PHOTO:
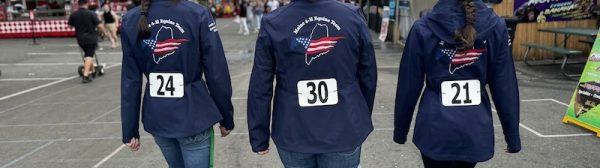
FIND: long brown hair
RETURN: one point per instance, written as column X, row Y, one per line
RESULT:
column 143, row 29
column 466, row 35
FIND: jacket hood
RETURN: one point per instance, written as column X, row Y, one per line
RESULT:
column 448, row 16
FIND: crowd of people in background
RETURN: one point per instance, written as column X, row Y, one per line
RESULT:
column 249, row 13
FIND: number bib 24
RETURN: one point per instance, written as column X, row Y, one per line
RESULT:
column 461, row 93
column 319, row 92
column 166, row 85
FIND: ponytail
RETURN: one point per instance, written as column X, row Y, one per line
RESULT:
column 466, row 35
column 143, row 29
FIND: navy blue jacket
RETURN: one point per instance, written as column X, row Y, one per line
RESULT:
column 306, row 41
column 184, row 40
column 463, row 133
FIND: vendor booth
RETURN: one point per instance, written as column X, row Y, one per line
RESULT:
column 43, row 18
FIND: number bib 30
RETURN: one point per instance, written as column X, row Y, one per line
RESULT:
column 166, row 85
column 461, row 93
column 319, row 92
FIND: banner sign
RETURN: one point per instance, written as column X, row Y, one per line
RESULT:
column 584, row 109
column 553, row 10
column 384, row 24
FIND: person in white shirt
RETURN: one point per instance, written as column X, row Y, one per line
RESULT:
column 273, row 4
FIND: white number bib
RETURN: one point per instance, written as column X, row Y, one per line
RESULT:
column 461, row 93
column 166, row 85
column 319, row 92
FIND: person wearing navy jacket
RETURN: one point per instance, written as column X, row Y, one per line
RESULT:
column 321, row 55
column 174, row 44
column 456, row 50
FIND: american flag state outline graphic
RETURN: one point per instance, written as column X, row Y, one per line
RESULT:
column 461, row 58
column 316, row 48
column 164, row 48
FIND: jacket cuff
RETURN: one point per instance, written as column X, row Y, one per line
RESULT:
column 128, row 139
column 229, row 125
column 400, row 139
column 260, row 148
column 513, row 142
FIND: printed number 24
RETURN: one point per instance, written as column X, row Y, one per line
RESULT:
column 167, row 87
column 458, row 90
column 317, row 92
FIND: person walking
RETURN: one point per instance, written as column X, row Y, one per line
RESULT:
column 456, row 51
column 273, row 4
column 243, row 14
column 110, row 19
column 175, row 45
column 321, row 54
column 259, row 10
column 87, row 27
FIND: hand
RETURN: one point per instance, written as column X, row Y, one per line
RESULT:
column 224, row 131
column 266, row 151
column 134, row 144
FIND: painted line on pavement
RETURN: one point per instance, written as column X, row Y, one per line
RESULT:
column 105, row 114
column 39, row 98
column 387, row 67
column 541, row 100
column 540, row 134
column 240, row 75
column 46, row 85
column 27, row 154
column 58, row 124
column 109, row 156
column 29, row 79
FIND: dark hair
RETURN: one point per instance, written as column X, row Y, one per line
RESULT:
column 93, row 7
column 466, row 35
column 82, row 2
column 143, row 29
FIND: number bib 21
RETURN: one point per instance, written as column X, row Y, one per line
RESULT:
column 461, row 93
column 320, row 92
column 166, row 85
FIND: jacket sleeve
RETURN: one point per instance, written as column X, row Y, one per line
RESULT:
column 367, row 67
column 131, row 91
column 505, row 91
column 410, row 85
column 215, row 68
column 260, row 91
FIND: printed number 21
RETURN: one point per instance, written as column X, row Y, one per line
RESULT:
column 458, row 89
column 317, row 92
column 168, row 87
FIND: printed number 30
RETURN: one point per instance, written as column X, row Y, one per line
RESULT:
column 168, row 87
column 321, row 92
column 458, row 89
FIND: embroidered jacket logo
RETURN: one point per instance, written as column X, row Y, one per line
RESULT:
column 164, row 43
column 319, row 42
column 458, row 59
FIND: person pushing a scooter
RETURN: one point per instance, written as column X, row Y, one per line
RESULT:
column 86, row 25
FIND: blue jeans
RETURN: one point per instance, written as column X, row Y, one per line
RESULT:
column 191, row 151
column 347, row 159
column 258, row 18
